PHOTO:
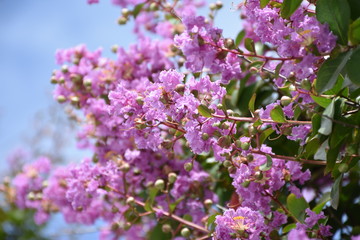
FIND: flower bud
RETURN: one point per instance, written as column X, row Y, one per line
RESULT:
column 343, row 167
column 232, row 170
column 122, row 20
column 172, row 177
column 229, row 43
column 252, row 130
column 74, row 100
column 64, row 69
column 140, row 100
column 180, row 88
column 154, row 6
column 225, row 125
column 61, row 80
column 61, row 99
column 258, row 175
column 188, row 166
column 130, row 201
column 205, row 136
column 250, row 157
column 160, row 184
column 125, row 12
column 246, row 183
column 305, row 84
column 285, row 101
column 253, row 70
column 227, row 163
column 31, row 196
column 125, row 167
column 245, row 145
column 53, row 80
column 229, row 112
column 208, row 203
column 224, row 141
column 219, row 4
column 185, row 232
column 127, row 226
column 87, row 82
column 166, row 228
column 212, row 6
column 115, row 48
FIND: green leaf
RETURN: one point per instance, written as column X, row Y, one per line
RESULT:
column 297, row 206
column 174, row 204
column 263, row 3
column 326, row 119
column 337, row 87
column 331, row 157
column 297, row 111
column 330, row 70
column 335, row 192
column 265, row 134
column 204, row 111
column 150, row 200
column 249, row 44
column 311, row 147
column 137, row 9
column 336, row 13
column 322, row 101
column 277, row 114
column 277, row 69
column 211, row 219
column 289, row 227
column 289, row 7
column 321, row 203
column 252, row 103
column 321, row 151
column 239, row 38
column 354, row 8
column 353, row 67
column 267, row 165
column 354, row 32
column 339, row 133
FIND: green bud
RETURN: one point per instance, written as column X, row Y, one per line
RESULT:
column 87, row 82
column 238, row 143
column 115, row 226
column 127, row 226
column 245, row 145
column 31, row 196
column 114, row 209
column 212, row 6
column 285, row 101
column 252, row 130
column 61, row 99
column 224, row 141
column 219, row 4
column 130, row 201
column 188, row 166
column 208, row 203
column 246, row 183
column 220, row 106
column 250, row 157
column 76, row 78
column 61, row 80
column 125, row 12
column 172, row 177
column 253, row 70
column 305, row 84
column 343, row 167
column 225, row 125
column 160, row 184
column 154, row 6
column 64, row 68
column 166, row 228
column 185, row 232
column 229, row 112
column 140, row 100
column 229, row 43
column 180, row 88
column 258, row 175
column 74, row 100
column 205, row 136
column 53, row 80
column 122, row 20
column 232, row 170
column 136, row 171
column 125, row 167
column 217, row 124
column 167, row 144
column 227, row 163
column 114, row 48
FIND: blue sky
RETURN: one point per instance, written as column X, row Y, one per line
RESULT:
column 30, row 33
